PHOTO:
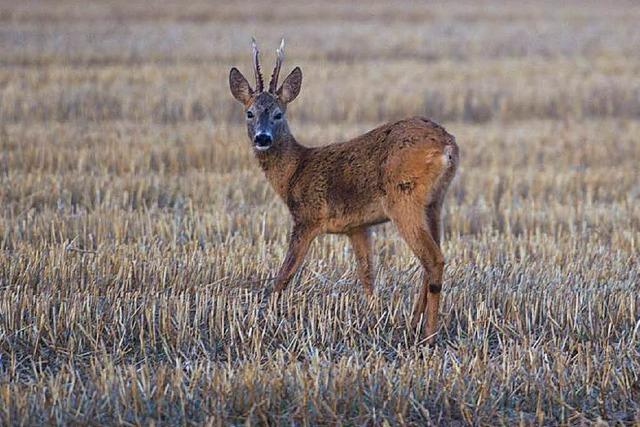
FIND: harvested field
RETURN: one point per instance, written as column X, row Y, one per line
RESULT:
column 137, row 232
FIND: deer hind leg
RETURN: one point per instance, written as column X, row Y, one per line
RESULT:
column 361, row 244
column 434, row 221
column 433, row 295
column 415, row 181
column 426, row 298
column 413, row 226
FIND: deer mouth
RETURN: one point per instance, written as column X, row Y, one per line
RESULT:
column 262, row 141
column 261, row 147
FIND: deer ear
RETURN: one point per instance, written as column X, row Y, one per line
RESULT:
column 240, row 88
column 291, row 86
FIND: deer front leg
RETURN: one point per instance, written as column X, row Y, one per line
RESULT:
column 299, row 241
column 361, row 244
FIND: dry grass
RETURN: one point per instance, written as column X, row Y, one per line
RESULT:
column 137, row 233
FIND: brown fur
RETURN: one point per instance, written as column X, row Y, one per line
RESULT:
column 397, row 172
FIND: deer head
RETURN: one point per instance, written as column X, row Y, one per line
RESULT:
column 265, row 110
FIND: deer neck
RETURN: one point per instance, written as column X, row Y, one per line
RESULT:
column 280, row 163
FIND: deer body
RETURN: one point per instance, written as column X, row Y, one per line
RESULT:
column 343, row 186
column 397, row 172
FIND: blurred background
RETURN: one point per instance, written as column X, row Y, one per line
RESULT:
column 466, row 61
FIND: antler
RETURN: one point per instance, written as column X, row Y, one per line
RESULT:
column 273, row 84
column 256, row 66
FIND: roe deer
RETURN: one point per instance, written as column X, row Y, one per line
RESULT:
column 397, row 172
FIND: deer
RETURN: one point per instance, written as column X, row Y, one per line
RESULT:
column 398, row 172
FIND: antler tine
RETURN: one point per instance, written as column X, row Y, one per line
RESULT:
column 256, row 66
column 273, row 84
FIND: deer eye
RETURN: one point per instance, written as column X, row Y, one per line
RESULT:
column 278, row 116
column 249, row 115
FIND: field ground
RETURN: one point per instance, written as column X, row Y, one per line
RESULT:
column 136, row 231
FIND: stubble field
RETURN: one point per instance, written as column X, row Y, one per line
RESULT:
column 137, row 233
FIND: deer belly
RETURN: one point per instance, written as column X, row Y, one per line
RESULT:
column 344, row 220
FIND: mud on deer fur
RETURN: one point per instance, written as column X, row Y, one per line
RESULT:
column 398, row 172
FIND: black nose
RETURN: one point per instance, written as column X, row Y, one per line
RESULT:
column 262, row 140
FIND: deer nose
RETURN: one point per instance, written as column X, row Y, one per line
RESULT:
column 263, row 140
